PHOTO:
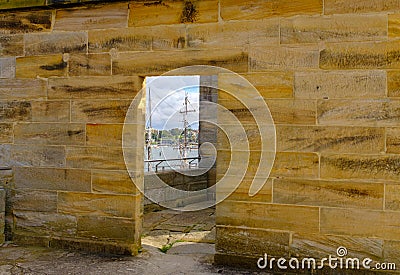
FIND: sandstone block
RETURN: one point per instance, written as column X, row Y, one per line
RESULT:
column 18, row 89
column 302, row 165
column 55, row 42
column 33, row 155
column 340, row 84
column 330, row 139
column 318, row 245
column 394, row 25
column 362, row 6
column 360, row 223
column 32, row 200
column 7, row 67
column 359, row 112
column 99, row 111
column 95, row 158
column 392, row 251
column 11, row 45
column 393, row 83
column 307, row 29
column 393, row 140
column 50, row 111
column 120, row 87
column 6, row 133
column 24, row 22
column 288, row 111
column 113, row 182
column 15, row 111
column 250, row 33
column 283, row 58
column 345, row 194
column 89, row 64
column 52, row 179
column 49, row 133
column 98, row 204
column 107, row 228
column 43, row 66
column 368, row 167
column 163, row 61
column 172, row 12
column 268, row 216
column 250, row 242
column 104, row 134
column 92, row 17
column 250, row 9
column 392, row 197
column 45, row 224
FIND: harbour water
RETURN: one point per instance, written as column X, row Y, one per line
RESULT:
column 165, row 153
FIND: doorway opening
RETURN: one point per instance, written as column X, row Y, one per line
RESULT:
column 176, row 183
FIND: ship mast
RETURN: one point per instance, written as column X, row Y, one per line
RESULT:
column 184, row 147
column 149, row 132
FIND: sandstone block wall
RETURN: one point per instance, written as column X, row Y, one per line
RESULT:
column 329, row 71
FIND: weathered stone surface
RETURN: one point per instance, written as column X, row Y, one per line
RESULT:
column 246, row 241
column 15, row 111
column 138, row 39
column 89, row 64
column 362, row 223
column 330, row 139
column 107, row 228
column 393, row 140
column 104, row 134
column 345, row 194
column 50, row 111
column 361, row 6
column 52, row 179
column 6, row 4
column 393, row 83
column 55, row 42
column 32, row 200
column 95, row 158
column 340, row 84
column 172, row 12
column 259, row 9
column 394, row 25
column 95, row 17
column 23, row 22
column 288, row 111
column 120, row 87
column 392, row 251
column 37, row 156
column 283, row 58
column 392, row 197
column 7, row 67
column 217, row 35
column 366, row 55
column 6, row 133
column 268, row 216
column 113, row 182
column 98, row 204
column 99, row 111
column 302, row 165
column 320, row 246
column 11, row 45
column 45, row 223
column 43, row 66
column 163, row 61
column 49, row 133
column 333, row 28
column 359, row 112
column 241, row 193
column 369, row 167
column 17, row 89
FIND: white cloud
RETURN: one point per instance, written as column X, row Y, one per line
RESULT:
column 167, row 100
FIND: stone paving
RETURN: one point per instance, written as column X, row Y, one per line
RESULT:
column 173, row 243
